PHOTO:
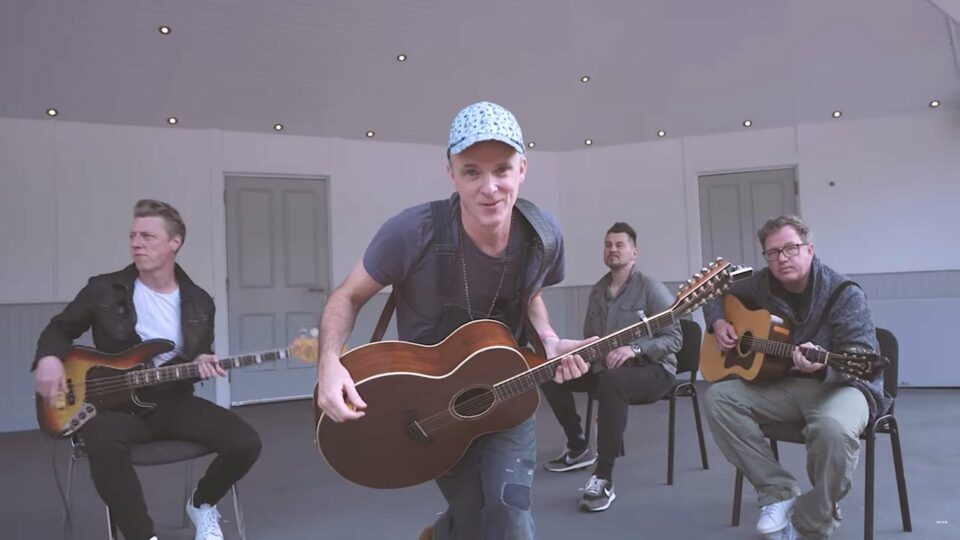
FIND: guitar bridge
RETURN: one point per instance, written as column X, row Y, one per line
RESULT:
column 414, row 429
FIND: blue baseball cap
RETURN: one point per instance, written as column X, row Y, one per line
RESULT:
column 484, row 121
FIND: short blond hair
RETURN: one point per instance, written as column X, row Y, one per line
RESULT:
column 170, row 215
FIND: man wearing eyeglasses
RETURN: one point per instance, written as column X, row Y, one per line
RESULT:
column 824, row 311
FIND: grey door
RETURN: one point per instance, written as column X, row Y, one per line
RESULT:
column 734, row 206
column 277, row 278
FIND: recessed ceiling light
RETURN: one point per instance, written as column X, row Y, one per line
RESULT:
column 165, row 30
column 661, row 133
column 836, row 114
column 172, row 120
column 278, row 127
column 747, row 123
column 531, row 144
column 370, row 134
column 51, row 112
column 588, row 142
column 585, row 78
column 934, row 104
column 401, row 58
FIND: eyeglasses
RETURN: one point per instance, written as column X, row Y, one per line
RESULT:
column 790, row 250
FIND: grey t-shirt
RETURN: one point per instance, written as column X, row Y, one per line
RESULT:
column 401, row 254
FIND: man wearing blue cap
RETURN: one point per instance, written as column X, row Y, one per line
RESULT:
column 482, row 254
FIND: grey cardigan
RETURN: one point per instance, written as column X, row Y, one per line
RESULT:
column 848, row 326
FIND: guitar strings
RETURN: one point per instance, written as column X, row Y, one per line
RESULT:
column 164, row 374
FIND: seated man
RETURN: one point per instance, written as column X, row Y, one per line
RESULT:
column 153, row 298
column 797, row 287
column 639, row 373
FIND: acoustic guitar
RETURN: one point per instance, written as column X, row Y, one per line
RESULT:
column 426, row 404
column 764, row 350
column 98, row 381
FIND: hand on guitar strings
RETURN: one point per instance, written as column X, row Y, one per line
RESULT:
column 801, row 362
column 209, row 365
column 337, row 394
column 725, row 334
column 50, row 382
column 570, row 367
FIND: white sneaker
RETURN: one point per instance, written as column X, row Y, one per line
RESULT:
column 206, row 519
column 788, row 533
column 775, row 517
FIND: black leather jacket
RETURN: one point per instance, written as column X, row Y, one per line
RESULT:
column 106, row 305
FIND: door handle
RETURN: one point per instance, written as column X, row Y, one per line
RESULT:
column 316, row 289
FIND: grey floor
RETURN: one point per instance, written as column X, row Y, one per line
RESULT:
column 292, row 494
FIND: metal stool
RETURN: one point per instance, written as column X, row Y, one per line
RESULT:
column 158, row 453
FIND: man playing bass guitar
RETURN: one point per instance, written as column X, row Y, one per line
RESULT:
column 824, row 311
column 153, row 298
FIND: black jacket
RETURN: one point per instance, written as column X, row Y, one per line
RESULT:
column 106, row 305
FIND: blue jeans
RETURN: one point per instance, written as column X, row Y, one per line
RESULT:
column 489, row 491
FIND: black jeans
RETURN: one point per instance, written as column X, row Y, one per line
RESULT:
column 616, row 389
column 181, row 417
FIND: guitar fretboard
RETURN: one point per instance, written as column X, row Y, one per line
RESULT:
column 783, row 350
column 591, row 353
column 176, row 372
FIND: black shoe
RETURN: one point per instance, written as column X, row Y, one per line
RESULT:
column 571, row 460
column 598, row 495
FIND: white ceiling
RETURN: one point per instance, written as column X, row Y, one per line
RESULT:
column 328, row 67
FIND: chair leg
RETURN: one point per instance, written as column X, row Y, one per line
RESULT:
column 67, row 516
column 187, row 491
column 589, row 420
column 238, row 513
column 696, row 417
column 737, row 498
column 868, row 485
column 111, row 525
column 901, row 478
column 671, row 438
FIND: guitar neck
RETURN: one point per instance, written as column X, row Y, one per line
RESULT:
column 191, row 370
column 784, row 350
column 591, row 353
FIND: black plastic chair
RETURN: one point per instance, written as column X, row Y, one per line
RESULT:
column 688, row 361
column 886, row 423
column 158, row 453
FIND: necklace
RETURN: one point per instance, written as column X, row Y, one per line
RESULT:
column 463, row 266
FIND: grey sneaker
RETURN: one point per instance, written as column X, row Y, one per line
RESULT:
column 571, row 461
column 598, row 495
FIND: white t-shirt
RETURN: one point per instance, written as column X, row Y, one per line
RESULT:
column 158, row 317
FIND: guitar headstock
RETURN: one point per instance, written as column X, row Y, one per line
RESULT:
column 304, row 347
column 706, row 284
column 862, row 366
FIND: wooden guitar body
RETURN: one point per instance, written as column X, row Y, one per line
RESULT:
column 742, row 361
column 425, row 405
column 89, row 369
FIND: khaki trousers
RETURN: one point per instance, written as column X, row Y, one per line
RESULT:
column 835, row 415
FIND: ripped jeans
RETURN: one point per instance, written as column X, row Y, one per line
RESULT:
column 489, row 491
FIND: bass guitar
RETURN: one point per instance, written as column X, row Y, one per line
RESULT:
column 426, row 404
column 98, row 381
column 764, row 351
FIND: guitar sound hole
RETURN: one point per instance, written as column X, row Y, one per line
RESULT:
column 473, row 402
column 742, row 346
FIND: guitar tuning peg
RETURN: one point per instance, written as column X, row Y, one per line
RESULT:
column 704, row 269
column 689, row 282
column 719, row 259
column 711, row 265
column 697, row 275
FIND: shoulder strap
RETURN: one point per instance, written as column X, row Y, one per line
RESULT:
column 543, row 229
column 832, row 300
column 443, row 246
column 385, row 317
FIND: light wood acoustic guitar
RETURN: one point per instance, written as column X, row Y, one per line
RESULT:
column 763, row 350
column 426, row 404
